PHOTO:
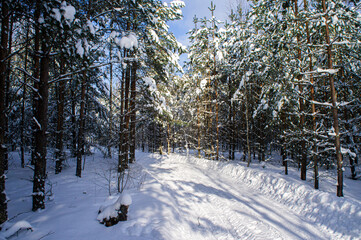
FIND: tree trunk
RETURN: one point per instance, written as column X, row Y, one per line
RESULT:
column 198, row 126
column 59, row 154
column 3, row 56
column 283, row 148
column 73, row 119
column 313, row 107
column 36, row 75
column 121, row 127
column 133, row 111
column 22, row 133
column 168, row 139
column 80, row 150
column 7, row 91
column 110, row 136
column 302, row 117
column 41, row 124
column 125, row 146
column 334, row 106
column 247, row 128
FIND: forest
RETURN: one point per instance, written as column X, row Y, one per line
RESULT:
column 281, row 77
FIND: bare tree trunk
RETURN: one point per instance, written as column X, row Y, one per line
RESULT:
column 198, row 126
column 3, row 56
column 80, row 150
column 125, row 146
column 313, row 107
column 334, row 106
column 36, row 75
column 283, row 148
column 302, row 117
column 7, row 91
column 168, row 139
column 41, row 123
column 59, row 154
column 121, row 127
column 247, row 128
column 133, row 111
column 22, row 133
column 110, row 136
column 73, row 119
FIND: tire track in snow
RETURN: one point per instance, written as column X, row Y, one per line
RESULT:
column 224, row 207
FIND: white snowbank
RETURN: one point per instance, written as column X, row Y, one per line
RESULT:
column 15, row 228
column 339, row 215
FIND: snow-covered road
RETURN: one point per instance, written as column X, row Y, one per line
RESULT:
column 208, row 205
column 181, row 198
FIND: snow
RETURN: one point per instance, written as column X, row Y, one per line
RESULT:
column 79, row 48
column 129, row 42
column 177, row 3
column 16, row 228
column 150, row 82
column 56, row 14
column 68, row 11
column 91, row 27
column 178, row 197
column 126, row 199
column 330, row 71
column 154, row 35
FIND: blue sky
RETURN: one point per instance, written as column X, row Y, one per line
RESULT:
column 200, row 9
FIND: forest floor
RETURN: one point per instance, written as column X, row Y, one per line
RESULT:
column 180, row 197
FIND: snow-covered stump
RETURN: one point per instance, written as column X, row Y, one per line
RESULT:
column 15, row 229
column 116, row 212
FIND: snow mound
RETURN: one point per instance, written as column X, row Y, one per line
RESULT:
column 16, row 228
column 111, row 211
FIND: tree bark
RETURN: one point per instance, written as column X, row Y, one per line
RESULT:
column 302, row 117
column 41, row 124
column 125, row 145
column 22, row 134
column 133, row 111
column 247, row 128
column 80, row 149
column 73, row 146
column 7, row 91
column 110, row 136
column 334, row 105
column 313, row 107
column 59, row 154
column 121, row 127
column 3, row 56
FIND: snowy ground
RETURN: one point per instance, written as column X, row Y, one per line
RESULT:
column 175, row 197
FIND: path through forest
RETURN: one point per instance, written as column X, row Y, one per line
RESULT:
column 210, row 205
column 176, row 197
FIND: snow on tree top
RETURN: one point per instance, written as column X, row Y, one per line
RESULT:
column 178, row 3
column 128, row 42
column 68, row 11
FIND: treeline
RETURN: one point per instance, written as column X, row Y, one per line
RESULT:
column 285, row 76
column 72, row 76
